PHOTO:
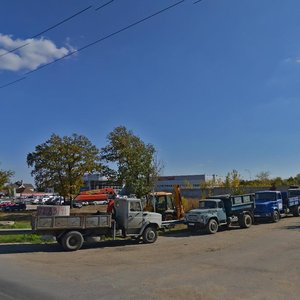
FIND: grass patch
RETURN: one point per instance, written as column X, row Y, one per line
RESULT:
column 17, row 225
column 177, row 228
column 20, row 238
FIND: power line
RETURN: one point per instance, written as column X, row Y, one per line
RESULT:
column 107, row 36
column 13, row 82
column 48, row 29
column 104, row 4
column 98, row 41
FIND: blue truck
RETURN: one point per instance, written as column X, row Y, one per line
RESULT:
column 275, row 204
column 268, row 205
column 224, row 210
column 291, row 201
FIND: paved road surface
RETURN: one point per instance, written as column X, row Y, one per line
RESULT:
column 262, row 262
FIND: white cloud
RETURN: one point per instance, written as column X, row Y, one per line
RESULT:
column 38, row 52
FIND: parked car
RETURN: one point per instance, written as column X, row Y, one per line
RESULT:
column 15, row 207
column 77, row 204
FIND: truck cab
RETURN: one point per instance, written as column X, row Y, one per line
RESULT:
column 135, row 222
column 162, row 203
column 269, row 205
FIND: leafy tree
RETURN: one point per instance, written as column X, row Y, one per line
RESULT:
column 136, row 163
column 232, row 181
column 208, row 186
column 5, row 177
column 263, row 178
column 297, row 179
column 61, row 162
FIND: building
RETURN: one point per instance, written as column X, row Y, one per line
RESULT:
column 98, row 181
column 166, row 183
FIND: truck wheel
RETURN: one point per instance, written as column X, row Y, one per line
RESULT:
column 212, row 226
column 246, row 221
column 149, row 235
column 72, row 241
column 275, row 216
column 296, row 212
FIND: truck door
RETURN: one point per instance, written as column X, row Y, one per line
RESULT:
column 221, row 212
column 135, row 217
column 279, row 201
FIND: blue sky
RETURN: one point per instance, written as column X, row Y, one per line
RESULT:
column 213, row 85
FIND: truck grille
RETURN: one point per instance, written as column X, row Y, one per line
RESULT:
column 193, row 218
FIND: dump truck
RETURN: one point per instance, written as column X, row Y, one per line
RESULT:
column 291, row 201
column 268, row 205
column 223, row 210
column 71, row 231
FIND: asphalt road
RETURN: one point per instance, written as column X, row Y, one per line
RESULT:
column 262, row 262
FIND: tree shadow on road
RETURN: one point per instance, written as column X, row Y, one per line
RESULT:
column 27, row 248
column 292, row 227
column 55, row 247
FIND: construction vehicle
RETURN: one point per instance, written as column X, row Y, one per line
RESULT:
column 169, row 205
column 104, row 194
column 72, row 230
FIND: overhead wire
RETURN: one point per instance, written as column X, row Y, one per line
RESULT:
column 12, row 82
column 105, row 4
column 98, row 41
column 46, row 30
column 107, row 36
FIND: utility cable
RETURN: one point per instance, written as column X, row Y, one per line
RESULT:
column 104, row 4
column 97, row 41
column 12, row 82
column 48, row 29
column 107, row 36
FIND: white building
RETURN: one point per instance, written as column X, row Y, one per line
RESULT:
column 166, row 183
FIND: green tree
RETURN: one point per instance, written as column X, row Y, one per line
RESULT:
column 5, row 178
column 61, row 162
column 263, row 178
column 136, row 162
column 233, row 182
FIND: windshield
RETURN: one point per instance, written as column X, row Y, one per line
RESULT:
column 207, row 204
column 265, row 196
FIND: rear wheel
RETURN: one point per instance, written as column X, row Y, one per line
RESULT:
column 275, row 216
column 72, row 241
column 150, row 235
column 296, row 212
column 246, row 221
column 212, row 226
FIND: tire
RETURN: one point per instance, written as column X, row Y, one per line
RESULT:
column 212, row 226
column 150, row 235
column 275, row 216
column 72, row 241
column 246, row 221
column 296, row 212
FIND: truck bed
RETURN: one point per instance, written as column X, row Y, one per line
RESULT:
column 40, row 223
